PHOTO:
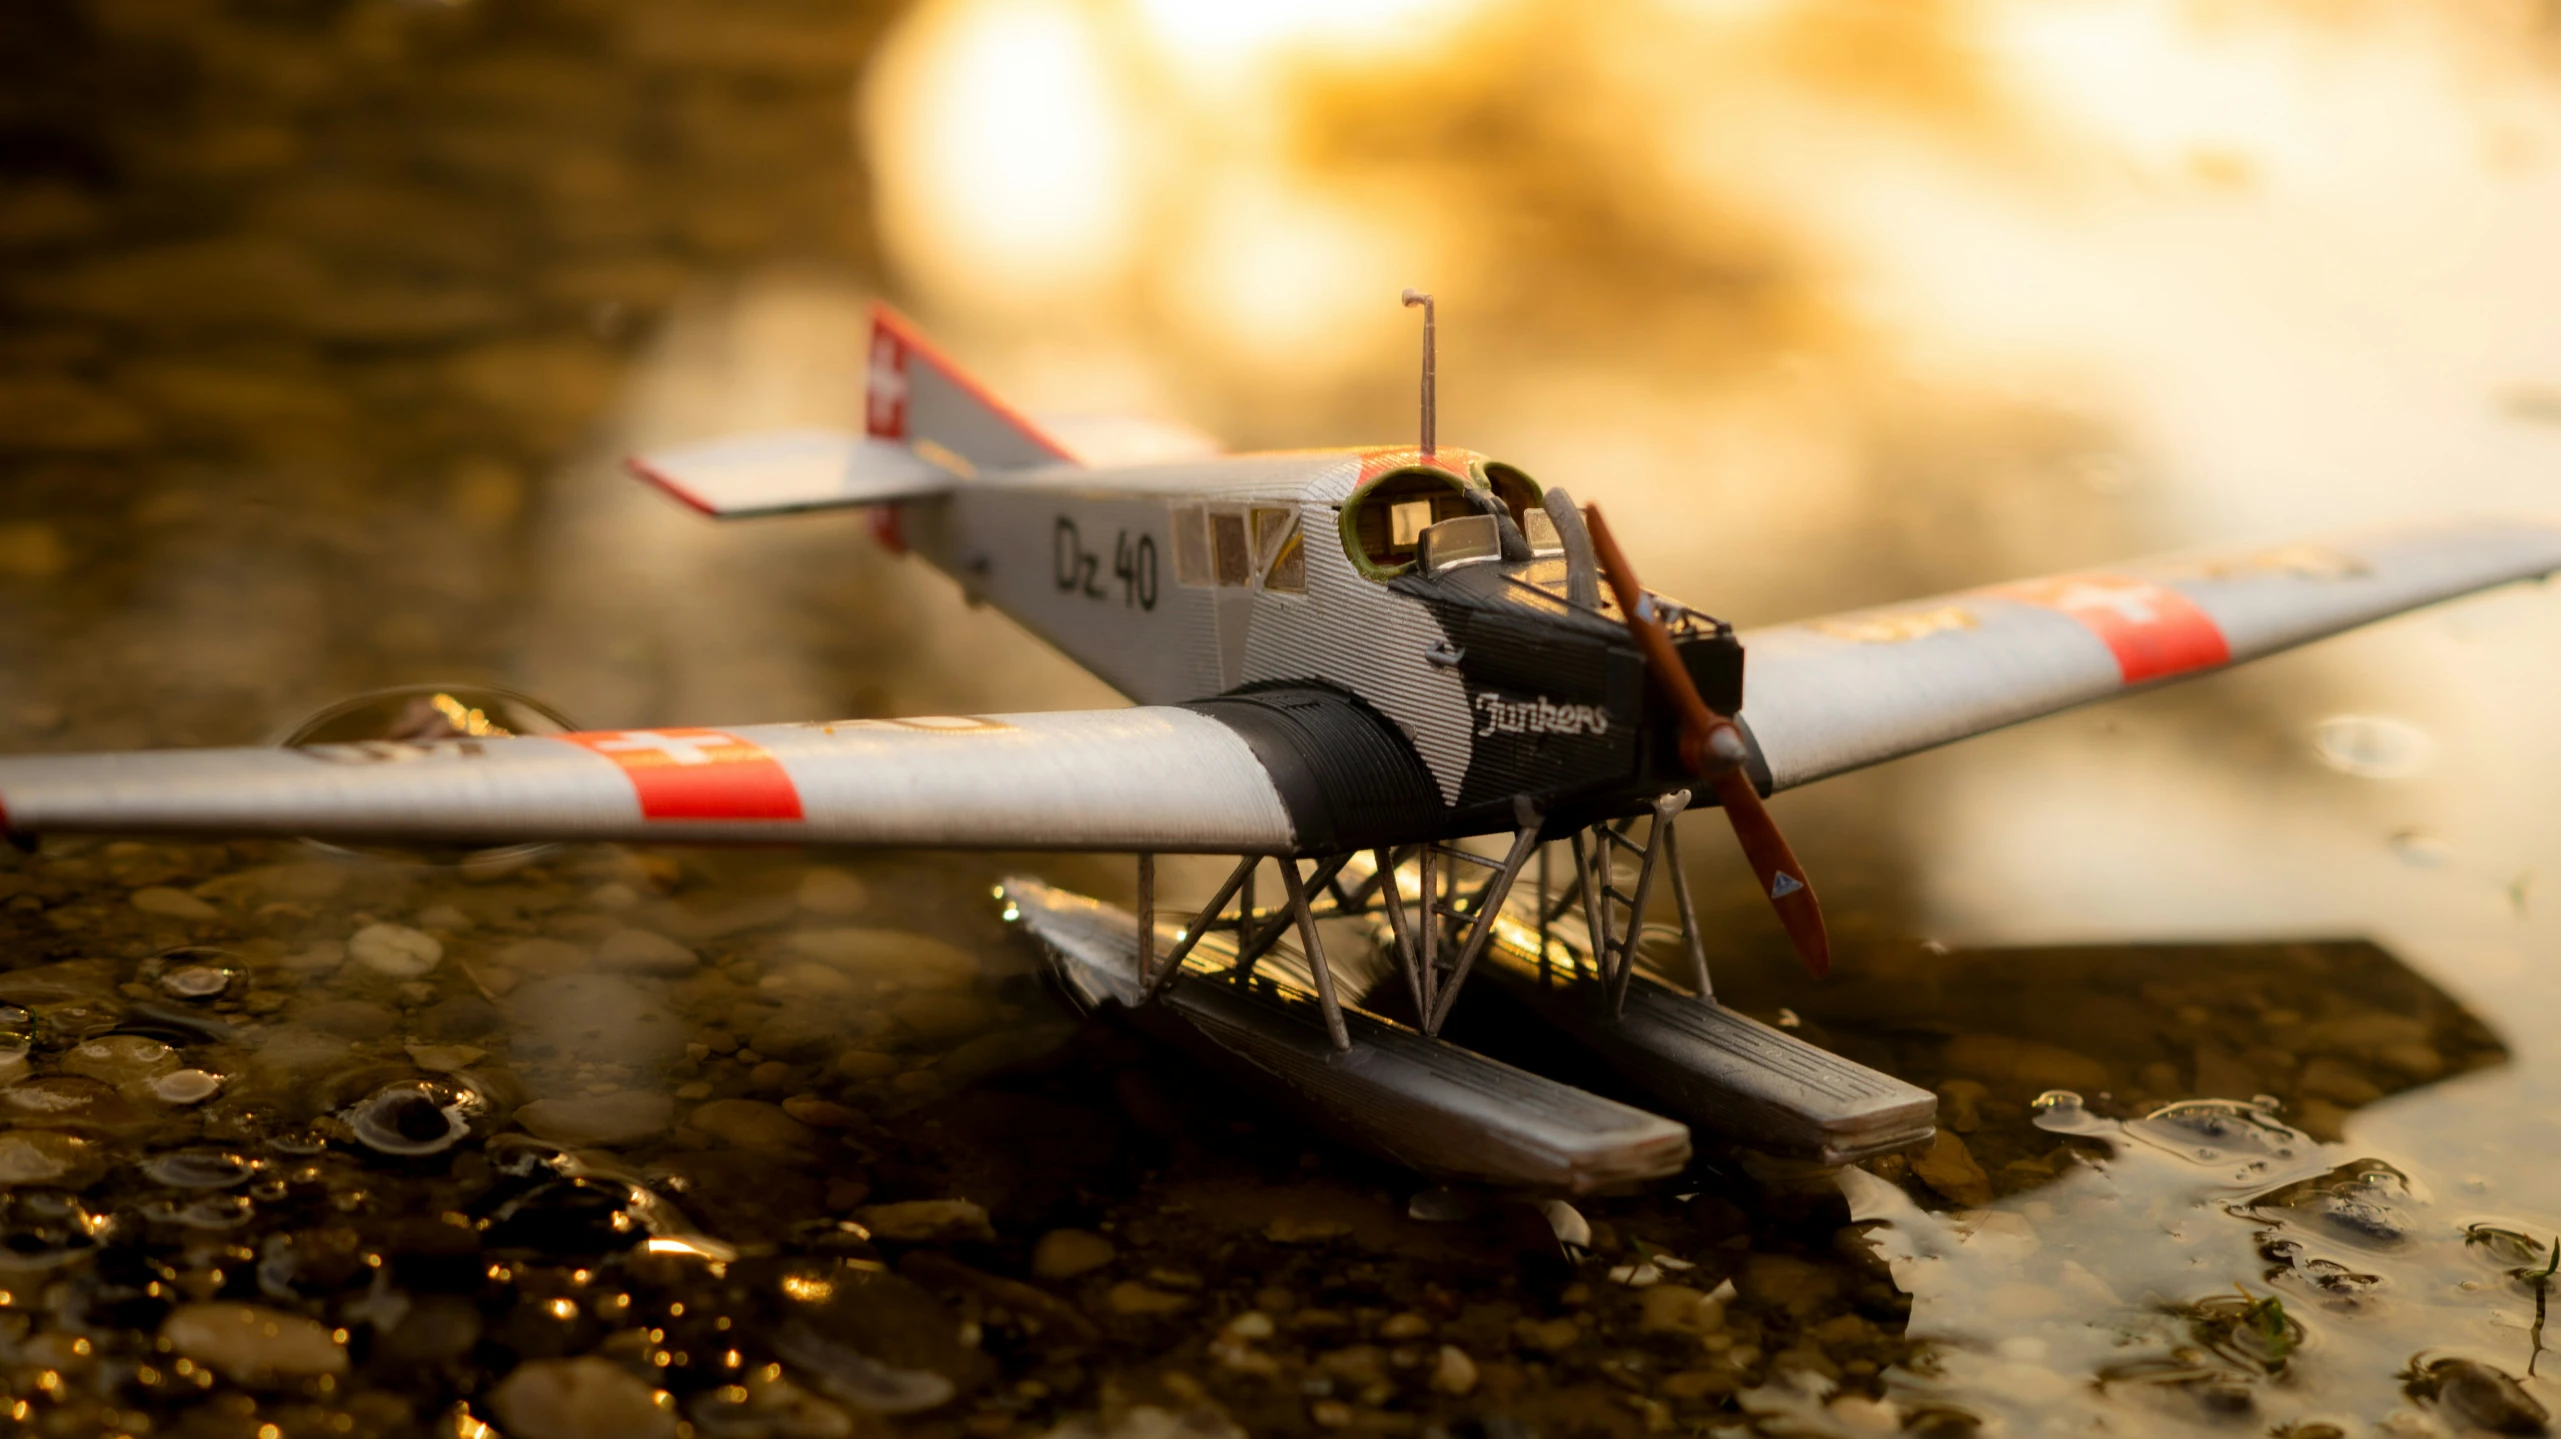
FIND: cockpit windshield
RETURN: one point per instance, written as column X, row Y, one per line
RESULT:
column 1385, row 520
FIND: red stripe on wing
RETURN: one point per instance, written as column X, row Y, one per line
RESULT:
column 697, row 773
column 2153, row 631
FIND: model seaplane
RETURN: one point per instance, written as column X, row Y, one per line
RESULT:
column 1404, row 678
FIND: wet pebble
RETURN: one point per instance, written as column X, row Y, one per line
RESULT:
column 765, row 1408
column 66, row 1100
column 169, row 903
column 641, row 951
column 857, row 1379
column 543, row 956
column 752, row 1124
column 445, row 1058
column 252, row 1345
column 464, row 1016
column 926, row 1220
column 1066, row 1253
column 583, row 1398
column 395, row 950
column 1950, row 1168
column 612, row 1120
column 200, row 1168
column 2366, row 1202
column 1138, row 1300
column 866, row 1064
column 795, row 1035
column 62, row 1161
column 198, row 981
column 833, row 892
column 1679, row 1307
column 185, row 1086
column 445, row 917
column 1453, row 1372
column 2480, row 1397
column 120, row 1059
column 437, row 1329
column 820, row 1113
column 350, row 1018
column 412, row 1117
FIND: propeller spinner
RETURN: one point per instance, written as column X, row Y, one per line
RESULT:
column 1712, row 748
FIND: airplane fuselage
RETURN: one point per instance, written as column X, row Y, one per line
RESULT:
column 1233, row 584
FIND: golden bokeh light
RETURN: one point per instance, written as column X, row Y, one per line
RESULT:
column 1004, row 152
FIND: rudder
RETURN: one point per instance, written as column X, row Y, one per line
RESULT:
column 915, row 395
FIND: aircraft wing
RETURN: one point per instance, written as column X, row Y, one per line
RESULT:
column 1159, row 779
column 1828, row 695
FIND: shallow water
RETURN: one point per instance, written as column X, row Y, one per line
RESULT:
column 319, row 343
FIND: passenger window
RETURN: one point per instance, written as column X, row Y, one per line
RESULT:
column 1227, row 549
column 1191, row 545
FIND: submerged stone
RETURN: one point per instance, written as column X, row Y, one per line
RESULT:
column 1950, row 1169
column 627, row 1117
column 2365, row 1202
column 167, row 903
column 752, row 1124
column 1066, row 1253
column 833, row 892
column 61, row 1161
column 926, row 1220
column 252, row 1345
column 641, row 951
column 412, row 1117
column 200, row 1168
column 395, row 950
column 582, row 1398
column 2479, row 1397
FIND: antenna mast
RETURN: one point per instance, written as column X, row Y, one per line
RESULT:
column 1431, row 400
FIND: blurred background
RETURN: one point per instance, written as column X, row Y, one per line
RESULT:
column 327, row 323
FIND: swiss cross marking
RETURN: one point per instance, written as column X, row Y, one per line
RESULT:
column 885, row 386
column 697, row 773
column 2153, row 630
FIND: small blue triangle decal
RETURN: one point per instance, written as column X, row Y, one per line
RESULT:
column 1785, row 885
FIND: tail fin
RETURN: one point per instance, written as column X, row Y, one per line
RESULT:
column 917, row 396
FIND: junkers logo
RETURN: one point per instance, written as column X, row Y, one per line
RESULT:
column 1541, row 715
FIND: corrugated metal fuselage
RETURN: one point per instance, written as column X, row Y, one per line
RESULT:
column 1176, row 583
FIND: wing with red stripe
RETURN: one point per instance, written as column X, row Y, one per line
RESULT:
column 1136, row 779
column 1829, row 695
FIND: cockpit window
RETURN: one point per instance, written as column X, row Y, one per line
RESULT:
column 1288, row 574
column 1384, row 520
column 1519, row 493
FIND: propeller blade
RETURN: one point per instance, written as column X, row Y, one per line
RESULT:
column 1774, row 864
column 1712, row 747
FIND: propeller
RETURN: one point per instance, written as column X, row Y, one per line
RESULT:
column 1712, row 747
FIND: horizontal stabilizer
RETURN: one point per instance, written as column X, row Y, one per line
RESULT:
column 781, row 471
